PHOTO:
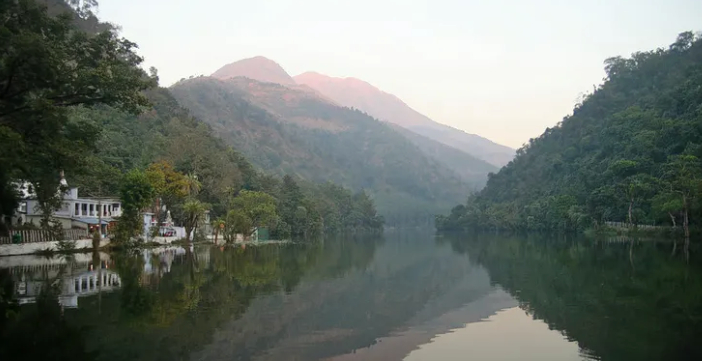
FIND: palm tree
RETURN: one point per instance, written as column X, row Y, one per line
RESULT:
column 192, row 185
column 193, row 211
column 217, row 224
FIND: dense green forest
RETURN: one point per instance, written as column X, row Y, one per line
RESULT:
column 630, row 152
column 103, row 122
column 285, row 130
column 168, row 133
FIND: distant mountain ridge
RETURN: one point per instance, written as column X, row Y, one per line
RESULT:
column 290, row 128
column 359, row 94
column 289, row 131
column 384, row 106
column 256, row 68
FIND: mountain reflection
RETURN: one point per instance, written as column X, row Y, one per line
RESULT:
column 404, row 296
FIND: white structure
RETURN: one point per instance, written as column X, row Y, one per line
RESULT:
column 76, row 278
column 72, row 287
column 75, row 212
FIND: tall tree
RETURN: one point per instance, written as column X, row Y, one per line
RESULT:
column 193, row 213
column 48, row 66
column 254, row 208
column 136, row 194
column 684, row 173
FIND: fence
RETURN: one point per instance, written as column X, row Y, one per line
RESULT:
column 37, row 235
column 627, row 225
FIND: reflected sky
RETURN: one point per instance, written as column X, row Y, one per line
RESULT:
column 510, row 334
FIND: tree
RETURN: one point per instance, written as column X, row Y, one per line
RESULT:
column 193, row 211
column 193, row 185
column 218, row 225
column 170, row 186
column 48, row 66
column 684, row 172
column 236, row 222
column 136, row 194
column 252, row 208
column 628, row 153
column 290, row 206
column 669, row 204
column 167, row 182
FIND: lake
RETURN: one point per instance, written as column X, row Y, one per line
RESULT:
column 400, row 296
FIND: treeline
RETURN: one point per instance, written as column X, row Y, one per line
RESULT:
column 630, row 152
column 285, row 131
column 103, row 122
column 189, row 171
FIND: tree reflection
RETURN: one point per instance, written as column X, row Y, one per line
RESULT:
column 40, row 331
column 623, row 300
column 170, row 302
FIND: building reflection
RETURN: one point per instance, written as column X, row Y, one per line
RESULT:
column 76, row 276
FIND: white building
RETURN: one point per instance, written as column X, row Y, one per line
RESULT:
column 75, row 212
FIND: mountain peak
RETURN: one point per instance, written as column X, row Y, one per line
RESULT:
column 357, row 93
column 257, row 68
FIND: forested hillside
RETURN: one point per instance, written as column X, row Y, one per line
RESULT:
column 630, row 152
column 168, row 133
column 290, row 130
column 103, row 122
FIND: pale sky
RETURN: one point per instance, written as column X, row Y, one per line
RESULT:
column 503, row 69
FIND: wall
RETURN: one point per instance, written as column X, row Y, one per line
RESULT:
column 164, row 240
column 29, row 248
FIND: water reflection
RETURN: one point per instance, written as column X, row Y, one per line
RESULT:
column 404, row 296
column 488, row 340
column 75, row 276
column 619, row 299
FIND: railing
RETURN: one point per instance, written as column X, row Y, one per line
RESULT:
column 627, row 225
column 40, row 235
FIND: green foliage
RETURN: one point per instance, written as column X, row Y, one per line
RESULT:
column 47, row 67
column 136, row 194
column 77, row 101
column 294, row 209
column 167, row 182
column 237, row 222
column 629, row 153
column 193, row 213
column 317, row 141
column 256, row 209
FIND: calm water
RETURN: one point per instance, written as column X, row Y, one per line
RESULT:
column 397, row 297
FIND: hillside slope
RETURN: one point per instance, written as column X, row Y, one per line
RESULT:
column 359, row 94
column 630, row 152
column 467, row 166
column 288, row 130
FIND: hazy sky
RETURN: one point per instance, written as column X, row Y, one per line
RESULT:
column 503, row 69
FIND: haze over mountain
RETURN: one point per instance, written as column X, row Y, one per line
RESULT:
column 356, row 93
column 290, row 128
column 257, row 68
column 293, row 130
column 359, row 94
